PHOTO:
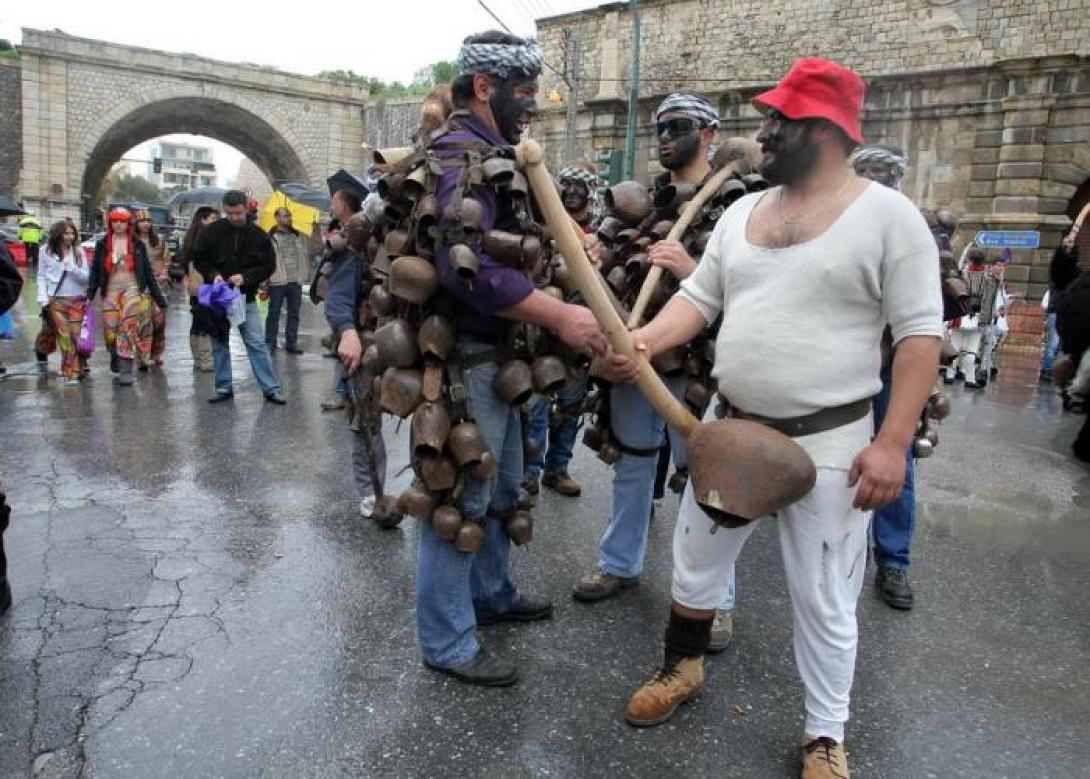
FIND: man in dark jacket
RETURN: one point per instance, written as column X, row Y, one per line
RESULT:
column 10, row 285
column 240, row 253
column 1063, row 269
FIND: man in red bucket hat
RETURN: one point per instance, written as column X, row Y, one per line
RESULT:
column 809, row 272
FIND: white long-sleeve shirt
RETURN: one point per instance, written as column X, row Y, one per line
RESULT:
column 51, row 268
column 802, row 324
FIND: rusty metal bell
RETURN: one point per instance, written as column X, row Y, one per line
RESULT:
column 372, row 362
column 359, row 230
column 503, row 246
column 438, row 472
column 413, row 279
column 520, row 528
column 678, row 480
column 618, row 280
column 465, row 212
column 672, row 197
column 466, row 444
column 498, row 170
column 436, row 337
column 609, row 453
column 742, row 470
column 401, row 391
column 922, row 449
column 386, row 513
column 531, row 253
column 470, row 537
column 548, row 374
column 381, row 301
column 392, row 155
column 637, row 264
column 513, row 382
column 398, row 242
column 593, row 438
column 426, row 215
column 430, row 428
column 627, row 237
column 486, row 468
column 396, row 342
column 660, row 229
column 416, row 502
column 697, row 396
column 518, row 186
column 938, row 406
column 755, row 182
column 730, row 190
column 629, row 201
column 608, row 229
column 447, row 521
column 465, row 261
column 670, row 362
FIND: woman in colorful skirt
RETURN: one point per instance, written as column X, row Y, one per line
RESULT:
column 122, row 274
column 159, row 257
column 63, row 272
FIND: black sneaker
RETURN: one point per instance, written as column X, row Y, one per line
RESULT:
column 893, row 587
column 526, row 609
column 5, row 595
column 484, row 670
column 220, row 397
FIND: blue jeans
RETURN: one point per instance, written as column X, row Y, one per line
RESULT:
column 637, row 425
column 453, row 587
column 893, row 524
column 292, row 294
column 561, row 439
column 1052, row 344
column 254, row 339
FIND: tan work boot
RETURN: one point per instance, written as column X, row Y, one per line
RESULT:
column 823, row 758
column 562, row 483
column 656, row 701
column 722, row 631
column 601, row 585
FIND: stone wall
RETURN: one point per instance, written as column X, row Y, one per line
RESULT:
column 390, row 123
column 990, row 100
column 11, row 126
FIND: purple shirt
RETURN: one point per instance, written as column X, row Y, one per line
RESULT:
column 497, row 286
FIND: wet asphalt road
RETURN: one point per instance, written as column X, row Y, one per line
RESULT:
column 195, row 595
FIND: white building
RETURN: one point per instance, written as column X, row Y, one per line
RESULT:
column 182, row 165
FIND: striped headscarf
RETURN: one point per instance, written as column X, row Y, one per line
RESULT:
column 500, row 59
column 591, row 182
column 881, row 155
column 692, row 105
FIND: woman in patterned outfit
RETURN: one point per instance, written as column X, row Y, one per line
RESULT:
column 159, row 257
column 123, row 275
column 63, row 271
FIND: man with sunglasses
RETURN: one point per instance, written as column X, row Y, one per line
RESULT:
column 805, row 275
column 685, row 125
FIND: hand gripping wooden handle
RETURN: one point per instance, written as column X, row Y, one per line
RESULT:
column 692, row 208
column 532, row 159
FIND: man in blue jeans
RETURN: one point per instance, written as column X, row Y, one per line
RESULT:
column 286, row 283
column 686, row 125
column 556, row 442
column 456, row 592
column 240, row 253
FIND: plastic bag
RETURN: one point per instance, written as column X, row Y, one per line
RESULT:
column 85, row 345
column 7, row 326
column 236, row 312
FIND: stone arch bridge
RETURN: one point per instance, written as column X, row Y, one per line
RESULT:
column 86, row 102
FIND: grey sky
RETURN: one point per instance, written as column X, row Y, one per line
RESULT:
column 390, row 40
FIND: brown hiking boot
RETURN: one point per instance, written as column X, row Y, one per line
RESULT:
column 823, row 758
column 601, row 585
column 656, row 701
column 722, row 631
column 562, row 483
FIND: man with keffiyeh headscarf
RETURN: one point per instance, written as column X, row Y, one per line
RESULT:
column 494, row 97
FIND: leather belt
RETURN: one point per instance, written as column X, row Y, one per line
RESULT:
column 817, row 422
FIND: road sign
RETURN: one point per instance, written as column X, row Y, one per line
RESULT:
column 1008, row 239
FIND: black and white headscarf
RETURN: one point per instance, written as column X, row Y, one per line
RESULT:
column 691, row 105
column 584, row 177
column 880, row 155
column 500, row 59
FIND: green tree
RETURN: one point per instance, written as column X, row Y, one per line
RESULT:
column 122, row 187
column 423, row 80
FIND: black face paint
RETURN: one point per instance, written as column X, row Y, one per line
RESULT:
column 794, row 155
column 683, row 152
column 575, row 197
column 508, row 109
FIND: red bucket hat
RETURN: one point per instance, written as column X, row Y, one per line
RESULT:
column 818, row 88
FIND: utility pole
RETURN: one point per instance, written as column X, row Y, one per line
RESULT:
column 573, row 97
column 633, row 95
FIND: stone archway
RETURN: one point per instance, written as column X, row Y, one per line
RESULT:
column 247, row 132
column 1079, row 201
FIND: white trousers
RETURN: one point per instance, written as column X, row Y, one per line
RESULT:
column 824, row 543
column 967, row 343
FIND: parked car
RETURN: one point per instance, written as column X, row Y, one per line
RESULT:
column 9, row 234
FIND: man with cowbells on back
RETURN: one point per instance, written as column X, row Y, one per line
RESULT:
column 494, row 98
column 813, row 269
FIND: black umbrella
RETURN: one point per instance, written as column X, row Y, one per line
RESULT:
column 342, row 179
column 301, row 193
column 205, row 196
column 9, row 207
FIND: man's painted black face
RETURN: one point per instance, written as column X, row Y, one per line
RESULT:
column 789, row 151
column 574, row 195
column 513, row 105
column 676, row 153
